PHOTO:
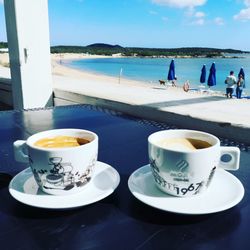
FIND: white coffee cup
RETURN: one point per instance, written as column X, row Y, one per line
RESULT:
column 63, row 170
column 183, row 172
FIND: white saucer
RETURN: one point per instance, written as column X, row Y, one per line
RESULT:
column 225, row 192
column 104, row 181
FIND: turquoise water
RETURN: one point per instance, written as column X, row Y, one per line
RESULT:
column 150, row 70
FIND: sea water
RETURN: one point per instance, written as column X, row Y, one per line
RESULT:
column 151, row 70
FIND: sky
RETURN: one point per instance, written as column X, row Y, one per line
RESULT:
column 148, row 23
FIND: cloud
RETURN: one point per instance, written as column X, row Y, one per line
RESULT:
column 219, row 21
column 195, row 17
column 199, row 21
column 1, row 1
column 199, row 14
column 190, row 12
column 247, row 2
column 243, row 15
column 180, row 3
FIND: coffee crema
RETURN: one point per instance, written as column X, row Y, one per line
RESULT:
column 183, row 144
column 61, row 141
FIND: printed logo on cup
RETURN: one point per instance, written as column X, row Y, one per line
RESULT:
column 183, row 162
column 62, row 175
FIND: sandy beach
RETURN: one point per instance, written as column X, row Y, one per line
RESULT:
column 59, row 69
column 79, row 81
column 87, row 82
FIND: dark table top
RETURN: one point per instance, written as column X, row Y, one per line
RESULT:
column 119, row 221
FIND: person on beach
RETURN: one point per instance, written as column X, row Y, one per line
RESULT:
column 174, row 82
column 186, row 86
column 240, row 86
column 230, row 81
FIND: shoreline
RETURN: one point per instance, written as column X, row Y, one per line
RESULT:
column 63, row 70
column 59, row 69
column 73, row 75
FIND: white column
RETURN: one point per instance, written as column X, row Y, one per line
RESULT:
column 27, row 28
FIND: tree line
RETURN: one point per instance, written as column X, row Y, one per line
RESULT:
column 107, row 49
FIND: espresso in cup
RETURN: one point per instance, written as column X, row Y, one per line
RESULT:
column 61, row 141
column 186, row 144
column 183, row 162
column 62, row 160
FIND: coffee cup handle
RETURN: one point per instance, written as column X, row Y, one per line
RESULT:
column 233, row 161
column 19, row 151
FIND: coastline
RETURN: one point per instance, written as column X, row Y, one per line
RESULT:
column 82, row 81
column 62, row 70
column 59, row 69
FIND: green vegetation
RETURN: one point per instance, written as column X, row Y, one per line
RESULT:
column 3, row 45
column 106, row 49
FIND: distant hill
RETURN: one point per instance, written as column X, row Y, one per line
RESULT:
column 96, row 48
column 107, row 49
column 103, row 46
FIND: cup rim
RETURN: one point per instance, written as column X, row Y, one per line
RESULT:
column 213, row 138
column 30, row 141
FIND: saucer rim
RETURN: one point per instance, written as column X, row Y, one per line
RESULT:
column 185, row 199
column 22, row 196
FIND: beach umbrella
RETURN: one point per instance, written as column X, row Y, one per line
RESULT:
column 171, row 71
column 203, row 74
column 243, row 74
column 211, row 81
